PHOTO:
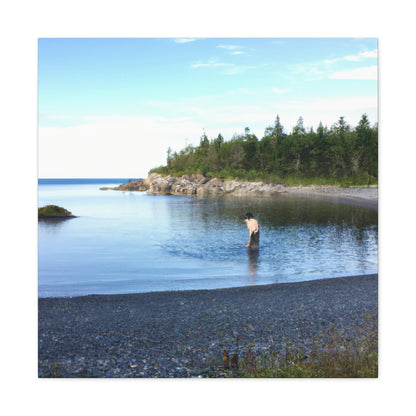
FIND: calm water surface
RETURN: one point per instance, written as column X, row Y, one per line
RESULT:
column 126, row 242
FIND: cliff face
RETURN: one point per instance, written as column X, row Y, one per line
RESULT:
column 198, row 185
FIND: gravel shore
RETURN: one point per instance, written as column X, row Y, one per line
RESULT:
column 183, row 333
column 365, row 197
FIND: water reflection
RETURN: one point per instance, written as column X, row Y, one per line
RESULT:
column 253, row 263
column 54, row 221
column 53, row 224
column 332, row 239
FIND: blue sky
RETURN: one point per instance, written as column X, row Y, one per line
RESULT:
column 114, row 106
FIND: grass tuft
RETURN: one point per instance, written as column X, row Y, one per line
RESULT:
column 330, row 354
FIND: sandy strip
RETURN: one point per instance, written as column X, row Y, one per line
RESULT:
column 183, row 333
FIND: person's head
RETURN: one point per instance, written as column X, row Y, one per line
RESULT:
column 249, row 216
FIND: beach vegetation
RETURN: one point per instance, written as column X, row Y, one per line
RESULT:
column 332, row 353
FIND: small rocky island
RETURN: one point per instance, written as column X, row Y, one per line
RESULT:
column 54, row 212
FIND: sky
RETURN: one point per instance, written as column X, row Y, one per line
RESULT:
column 111, row 107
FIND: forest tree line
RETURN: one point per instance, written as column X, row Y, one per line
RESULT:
column 339, row 154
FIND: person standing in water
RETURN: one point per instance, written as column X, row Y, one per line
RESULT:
column 254, row 228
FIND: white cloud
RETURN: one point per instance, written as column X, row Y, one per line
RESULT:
column 353, row 58
column 370, row 54
column 330, row 61
column 328, row 110
column 364, row 73
column 313, row 71
column 341, row 104
column 184, row 40
column 229, row 69
column 245, row 117
column 211, row 64
column 112, row 147
column 361, row 56
column 310, row 71
column 233, row 49
column 229, row 47
column 230, row 118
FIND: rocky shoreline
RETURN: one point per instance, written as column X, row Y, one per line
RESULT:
column 197, row 185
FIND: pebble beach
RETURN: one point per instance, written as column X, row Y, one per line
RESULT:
column 183, row 333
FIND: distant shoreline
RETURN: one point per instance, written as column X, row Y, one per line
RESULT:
column 197, row 185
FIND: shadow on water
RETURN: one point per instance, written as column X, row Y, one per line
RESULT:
column 54, row 221
column 53, row 225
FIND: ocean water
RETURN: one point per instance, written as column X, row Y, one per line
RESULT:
column 127, row 242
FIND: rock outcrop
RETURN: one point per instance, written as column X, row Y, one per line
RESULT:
column 198, row 185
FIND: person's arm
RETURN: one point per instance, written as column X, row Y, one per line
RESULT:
column 249, row 238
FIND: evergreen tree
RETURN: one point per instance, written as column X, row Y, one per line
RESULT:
column 367, row 146
column 338, row 153
column 298, row 143
column 278, row 128
column 250, row 152
column 320, row 151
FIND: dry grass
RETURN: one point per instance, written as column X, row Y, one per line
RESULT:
column 330, row 354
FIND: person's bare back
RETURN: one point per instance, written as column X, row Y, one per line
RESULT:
column 254, row 229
